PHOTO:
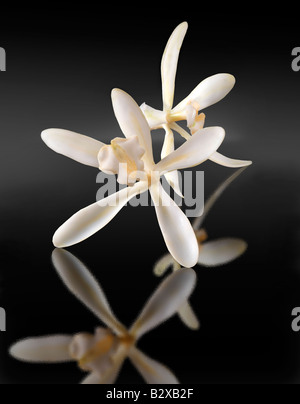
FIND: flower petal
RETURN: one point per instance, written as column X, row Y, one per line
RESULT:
column 210, row 91
column 228, row 162
column 188, row 317
column 168, row 147
column 110, row 375
column 84, row 286
column 154, row 117
column 163, row 264
column 221, row 252
column 194, row 151
column 182, row 132
column 173, row 180
column 165, row 301
column 133, row 122
column 91, row 378
column 94, row 217
column 50, row 349
column 78, row 147
column 152, row 371
column 176, row 228
column 169, row 64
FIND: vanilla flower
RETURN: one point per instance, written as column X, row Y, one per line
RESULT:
column 208, row 92
column 131, row 158
column 211, row 253
column 103, row 354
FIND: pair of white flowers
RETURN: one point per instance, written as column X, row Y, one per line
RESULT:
column 103, row 354
column 131, row 158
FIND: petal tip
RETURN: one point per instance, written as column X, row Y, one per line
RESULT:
column 56, row 240
column 189, row 262
column 18, row 351
column 184, row 25
column 115, row 92
column 12, row 351
column 45, row 134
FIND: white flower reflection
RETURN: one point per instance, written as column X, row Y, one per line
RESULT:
column 103, row 354
column 211, row 253
column 141, row 174
column 210, row 91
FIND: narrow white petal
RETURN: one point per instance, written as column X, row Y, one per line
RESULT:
column 118, row 358
column 173, row 180
column 169, row 64
column 210, row 91
column 176, row 228
column 163, row 264
column 84, row 286
column 214, row 197
column 168, row 147
column 221, row 252
column 78, row 147
column 182, row 132
column 91, row 378
column 191, row 113
column 94, row 217
column 112, row 376
column 155, row 118
column 188, row 317
column 228, row 162
column 50, row 349
column 165, row 301
column 152, row 371
column 194, row 151
column 133, row 122
column 108, row 377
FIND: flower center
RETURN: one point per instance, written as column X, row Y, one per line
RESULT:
column 88, row 349
column 124, row 158
column 101, row 348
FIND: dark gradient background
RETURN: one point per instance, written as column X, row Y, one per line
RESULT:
column 61, row 67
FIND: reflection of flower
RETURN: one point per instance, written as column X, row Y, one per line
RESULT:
column 103, row 354
column 141, row 173
column 211, row 253
column 208, row 92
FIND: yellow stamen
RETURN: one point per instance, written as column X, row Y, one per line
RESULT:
column 127, row 339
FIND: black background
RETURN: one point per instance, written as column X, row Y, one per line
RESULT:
column 62, row 63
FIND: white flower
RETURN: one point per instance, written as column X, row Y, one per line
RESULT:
column 211, row 253
column 141, row 174
column 208, row 92
column 103, row 354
